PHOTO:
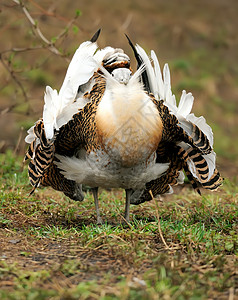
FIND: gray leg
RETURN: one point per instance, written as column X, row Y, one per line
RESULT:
column 127, row 208
column 95, row 196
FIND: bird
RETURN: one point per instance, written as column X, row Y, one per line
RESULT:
column 112, row 127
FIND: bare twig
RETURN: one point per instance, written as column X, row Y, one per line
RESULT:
column 159, row 226
column 49, row 12
column 231, row 293
column 13, row 75
column 18, row 141
column 127, row 22
column 124, row 219
column 36, row 28
column 66, row 29
column 23, row 49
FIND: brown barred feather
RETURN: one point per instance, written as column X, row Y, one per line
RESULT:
column 178, row 157
column 80, row 131
column 214, row 182
column 30, row 151
column 162, row 184
column 40, row 155
column 200, row 140
column 174, row 133
column 42, row 169
column 54, row 178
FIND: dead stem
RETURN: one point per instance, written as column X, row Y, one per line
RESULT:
column 159, row 226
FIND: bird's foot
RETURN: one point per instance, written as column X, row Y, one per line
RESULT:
column 99, row 221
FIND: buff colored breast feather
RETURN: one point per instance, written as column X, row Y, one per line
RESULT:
column 129, row 124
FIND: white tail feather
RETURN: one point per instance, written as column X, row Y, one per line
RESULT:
column 159, row 93
column 59, row 107
column 80, row 70
column 202, row 124
column 185, row 104
column 211, row 162
column 31, row 136
column 51, row 109
column 100, row 54
column 148, row 67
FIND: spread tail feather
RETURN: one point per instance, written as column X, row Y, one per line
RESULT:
column 41, row 153
column 80, row 70
column 199, row 133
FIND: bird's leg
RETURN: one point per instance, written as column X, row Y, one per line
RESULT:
column 95, row 196
column 127, row 208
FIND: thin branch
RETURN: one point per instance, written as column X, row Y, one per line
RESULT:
column 60, row 35
column 6, row 110
column 47, row 13
column 35, row 26
column 12, row 73
column 18, row 141
column 23, row 49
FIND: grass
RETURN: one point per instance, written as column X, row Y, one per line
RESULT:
column 51, row 247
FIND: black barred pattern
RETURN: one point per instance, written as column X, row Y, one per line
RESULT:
column 41, row 155
column 196, row 142
column 200, row 140
column 78, row 132
column 81, row 130
column 178, row 158
column 34, row 176
column 161, row 185
column 214, row 182
column 202, row 171
column 172, row 131
column 195, row 184
column 30, row 151
column 53, row 177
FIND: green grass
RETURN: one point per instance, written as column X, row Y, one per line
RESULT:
column 53, row 249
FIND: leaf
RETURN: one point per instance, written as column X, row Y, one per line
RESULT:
column 75, row 29
column 53, row 39
column 78, row 12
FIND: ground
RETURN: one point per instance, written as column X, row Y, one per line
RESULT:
column 181, row 247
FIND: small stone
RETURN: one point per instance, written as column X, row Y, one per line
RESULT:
column 14, row 241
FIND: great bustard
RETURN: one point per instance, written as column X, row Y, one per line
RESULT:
column 109, row 127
